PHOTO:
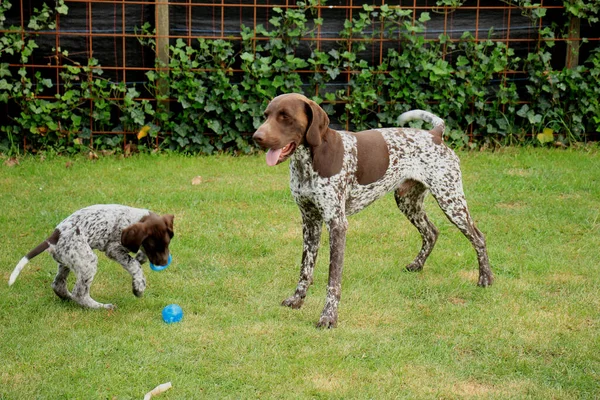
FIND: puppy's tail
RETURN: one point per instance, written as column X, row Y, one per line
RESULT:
column 39, row 248
column 438, row 124
column 17, row 270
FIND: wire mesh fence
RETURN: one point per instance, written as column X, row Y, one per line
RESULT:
column 109, row 31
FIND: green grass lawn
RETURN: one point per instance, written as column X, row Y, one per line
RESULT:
column 236, row 253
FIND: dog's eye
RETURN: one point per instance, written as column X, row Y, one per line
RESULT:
column 283, row 115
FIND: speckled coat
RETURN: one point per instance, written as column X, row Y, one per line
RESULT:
column 113, row 229
column 334, row 174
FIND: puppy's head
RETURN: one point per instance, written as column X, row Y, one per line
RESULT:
column 291, row 120
column 153, row 234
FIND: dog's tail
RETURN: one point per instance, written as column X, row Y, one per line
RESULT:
column 37, row 250
column 439, row 126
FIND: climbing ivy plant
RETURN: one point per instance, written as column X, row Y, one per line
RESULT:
column 211, row 94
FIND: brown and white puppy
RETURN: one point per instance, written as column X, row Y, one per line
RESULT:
column 113, row 229
column 334, row 174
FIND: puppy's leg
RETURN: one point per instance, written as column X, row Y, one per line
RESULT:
column 409, row 198
column 85, row 268
column 312, row 226
column 72, row 250
column 337, row 242
column 132, row 265
column 141, row 257
column 450, row 196
column 59, row 285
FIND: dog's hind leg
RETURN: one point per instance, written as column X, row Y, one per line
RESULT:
column 409, row 198
column 85, row 267
column 59, row 285
column 451, row 199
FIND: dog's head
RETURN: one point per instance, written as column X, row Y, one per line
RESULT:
column 153, row 233
column 291, row 120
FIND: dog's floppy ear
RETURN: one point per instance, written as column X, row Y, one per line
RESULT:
column 169, row 221
column 133, row 236
column 326, row 144
column 318, row 123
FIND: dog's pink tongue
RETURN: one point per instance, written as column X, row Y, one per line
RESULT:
column 273, row 156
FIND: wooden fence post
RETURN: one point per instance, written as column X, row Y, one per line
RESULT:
column 572, row 58
column 162, row 46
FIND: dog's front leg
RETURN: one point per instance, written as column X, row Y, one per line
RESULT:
column 121, row 255
column 337, row 243
column 312, row 226
column 141, row 257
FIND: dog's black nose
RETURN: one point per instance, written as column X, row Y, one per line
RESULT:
column 259, row 137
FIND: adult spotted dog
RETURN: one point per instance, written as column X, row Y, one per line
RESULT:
column 334, row 174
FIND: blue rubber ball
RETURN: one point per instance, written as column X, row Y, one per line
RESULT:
column 161, row 267
column 172, row 313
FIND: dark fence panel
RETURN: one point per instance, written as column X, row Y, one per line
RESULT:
column 108, row 31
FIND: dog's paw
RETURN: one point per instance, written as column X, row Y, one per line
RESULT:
column 327, row 322
column 414, row 267
column 139, row 285
column 294, row 302
column 61, row 291
column 138, row 290
column 110, row 307
column 485, row 279
column 141, row 257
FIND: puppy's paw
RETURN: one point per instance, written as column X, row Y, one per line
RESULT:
column 139, row 286
column 141, row 257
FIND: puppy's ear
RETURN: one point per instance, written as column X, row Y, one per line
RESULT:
column 318, row 123
column 169, row 221
column 133, row 236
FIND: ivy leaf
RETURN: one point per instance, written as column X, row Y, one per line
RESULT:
column 546, row 136
column 62, row 9
column 260, row 29
column 424, row 17
column 462, row 61
column 76, row 120
column 523, row 111
column 143, row 132
column 53, row 126
column 539, row 12
column 439, row 70
column 247, row 57
column 246, row 33
column 215, row 126
column 349, row 56
column 152, row 76
column 4, row 71
column 333, row 72
column 4, row 85
column 278, row 81
column 275, row 21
